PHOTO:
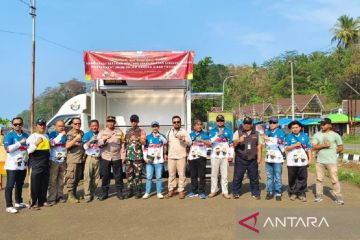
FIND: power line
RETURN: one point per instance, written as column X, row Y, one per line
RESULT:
column 43, row 39
column 23, row 2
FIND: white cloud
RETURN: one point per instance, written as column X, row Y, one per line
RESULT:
column 322, row 12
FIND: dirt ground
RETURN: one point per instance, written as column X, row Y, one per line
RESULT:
column 153, row 218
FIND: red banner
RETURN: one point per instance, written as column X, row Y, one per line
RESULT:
column 154, row 65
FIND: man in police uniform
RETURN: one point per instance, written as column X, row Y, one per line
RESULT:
column 135, row 138
column 110, row 141
column 247, row 158
column 75, row 154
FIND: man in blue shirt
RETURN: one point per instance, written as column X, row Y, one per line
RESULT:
column 154, row 158
column 222, row 153
column 197, row 159
column 15, row 165
column 274, row 141
column 298, row 148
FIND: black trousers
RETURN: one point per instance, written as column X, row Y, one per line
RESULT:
column 39, row 185
column 197, row 172
column 14, row 178
column 105, row 170
column 40, row 172
column 297, row 180
column 240, row 168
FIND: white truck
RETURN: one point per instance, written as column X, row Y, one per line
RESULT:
column 150, row 99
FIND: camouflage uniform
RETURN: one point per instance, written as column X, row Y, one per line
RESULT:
column 134, row 158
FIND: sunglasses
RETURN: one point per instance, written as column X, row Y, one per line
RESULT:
column 77, row 123
column 176, row 122
column 17, row 124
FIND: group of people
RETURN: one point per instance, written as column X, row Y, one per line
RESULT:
column 59, row 159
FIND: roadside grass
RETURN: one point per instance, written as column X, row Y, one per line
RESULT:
column 347, row 172
column 352, row 151
column 352, row 139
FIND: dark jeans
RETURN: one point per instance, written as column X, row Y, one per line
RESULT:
column 14, row 178
column 105, row 170
column 297, row 180
column 39, row 185
column 197, row 172
column 240, row 168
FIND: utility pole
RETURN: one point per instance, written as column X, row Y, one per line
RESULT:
column 223, row 91
column 292, row 92
column 33, row 16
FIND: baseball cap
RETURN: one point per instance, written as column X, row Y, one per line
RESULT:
column 273, row 120
column 155, row 123
column 111, row 119
column 40, row 121
column 247, row 120
column 220, row 118
column 324, row 121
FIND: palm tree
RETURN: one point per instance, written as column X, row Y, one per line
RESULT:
column 346, row 31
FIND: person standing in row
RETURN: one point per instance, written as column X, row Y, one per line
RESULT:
column 15, row 165
column 247, row 158
column 178, row 141
column 92, row 166
column 110, row 142
column 275, row 152
column 328, row 144
column 222, row 153
column 75, row 155
column 197, row 160
column 135, row 139
column 39, row 156
column 58, row 154
column 298, row 148
column 154, row 158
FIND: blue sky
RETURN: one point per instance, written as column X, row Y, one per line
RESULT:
column 232, row 31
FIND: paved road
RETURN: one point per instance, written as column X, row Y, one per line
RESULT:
column 352, row 146
column 152, row 218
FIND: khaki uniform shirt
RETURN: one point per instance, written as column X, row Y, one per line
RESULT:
column 112, row 148
column 75, row 154
column 177, row 148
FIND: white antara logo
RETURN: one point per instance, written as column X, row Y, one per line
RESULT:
column 294, row 222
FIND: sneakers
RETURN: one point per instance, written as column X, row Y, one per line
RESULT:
column 269, row 196
column 318, row 198
column 21, row 205
column 146, row 196
column 339, row 200
column 103, row 197
column 302, row 198
column 202, row 196
column 11, row 210
column 120, row 195
column 278, row 198
column 88, row 199
column 293, row 197
column 61, row 200
column 129, row 194
column 160, row 196
column 236, row 196
column 256, row 197
column 191, row 195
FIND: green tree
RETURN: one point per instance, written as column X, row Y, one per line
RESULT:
column 346, row 31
